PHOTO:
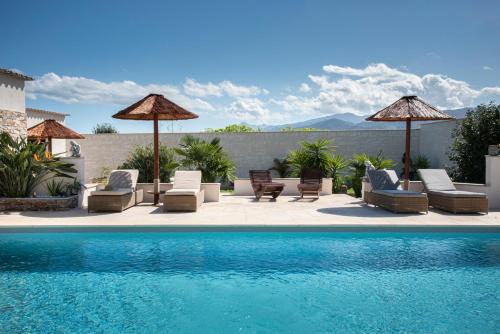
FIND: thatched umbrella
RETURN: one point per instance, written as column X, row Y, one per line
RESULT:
column 408, row 109
column 155, row 107
column 51, row 129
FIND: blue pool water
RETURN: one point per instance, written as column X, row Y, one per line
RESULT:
column 249, row 283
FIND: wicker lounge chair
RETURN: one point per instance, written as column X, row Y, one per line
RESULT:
column 386, row 192
column 444, row 195
column 119, row 194
column 186, row 194
column 263, row 184
column 311, row 182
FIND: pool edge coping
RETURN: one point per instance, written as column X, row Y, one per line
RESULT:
column 251, row 228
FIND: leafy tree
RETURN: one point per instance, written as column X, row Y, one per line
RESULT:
column 208, row 157
column 479, row 129
column 142, row 158
column 104, row 128
column 358, row 169
column 290, row 129
column 234, row 128
column 282, row 167
column 24, row 165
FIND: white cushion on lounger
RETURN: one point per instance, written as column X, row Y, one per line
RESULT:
column 185, row 179
column 457, row 193
column 118, row 192
column 182, row 192
column 122, row 179
column 399, row 193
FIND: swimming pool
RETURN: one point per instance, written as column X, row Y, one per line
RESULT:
column 274, row 282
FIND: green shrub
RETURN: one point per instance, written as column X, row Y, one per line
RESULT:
column 234, row 128
column 142, row 158
column 337, row 165
column 479, row 129
column 104, row 128
column 24, row 165
column 208, row 157
column 357, row 167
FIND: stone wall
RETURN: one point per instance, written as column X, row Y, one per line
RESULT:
column 13, row 122
column 257, row 150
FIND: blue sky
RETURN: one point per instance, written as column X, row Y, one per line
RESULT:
column 252, row 61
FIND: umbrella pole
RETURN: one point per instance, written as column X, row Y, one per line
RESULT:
column 50, row 145
column 156, row 168
column 407, row 155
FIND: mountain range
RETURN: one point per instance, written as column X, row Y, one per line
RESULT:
column 348, row 121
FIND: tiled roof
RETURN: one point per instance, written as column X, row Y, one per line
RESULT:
column 15, row 74
column 52, row 129
column 47, row 112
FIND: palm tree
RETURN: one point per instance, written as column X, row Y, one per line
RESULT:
column 282, row 167
column 317, row 154
column 208, row 157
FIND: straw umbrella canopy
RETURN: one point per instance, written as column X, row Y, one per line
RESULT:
column 155, row 107
column 407, row 109
column 51, row 129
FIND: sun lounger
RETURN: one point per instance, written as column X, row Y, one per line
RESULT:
column 311, row 182
column 444, row 195
column 119, row 194
column 387, row 193
column 263, row 185
column 186, row 194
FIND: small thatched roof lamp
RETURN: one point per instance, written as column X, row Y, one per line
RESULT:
column 408, row 109
column 155, row 107
column 51, row 129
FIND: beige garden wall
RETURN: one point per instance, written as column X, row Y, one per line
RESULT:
column 257, row 150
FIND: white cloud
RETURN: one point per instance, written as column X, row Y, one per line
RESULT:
column 305, row 88
column 69, row 89
column 251, row 109
column 487, row 68
column 365, row 90
column 194, row 88
column 336, row 89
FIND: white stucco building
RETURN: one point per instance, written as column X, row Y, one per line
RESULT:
column 15, row 118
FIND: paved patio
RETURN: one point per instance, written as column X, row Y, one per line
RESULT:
column 244, row 211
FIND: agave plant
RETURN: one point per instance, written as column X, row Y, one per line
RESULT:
column 282, row 167
column 142, row 158
column 208, row 157
column 357, row 166
column 24, row 165
column 317, row 154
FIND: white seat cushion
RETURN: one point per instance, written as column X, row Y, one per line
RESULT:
column 122, row 179
column 182, row 192
column 118, row 192
column 457, row 193
column 184, row 179
column 399, row 193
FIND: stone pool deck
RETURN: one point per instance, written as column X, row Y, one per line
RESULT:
column 244, row 212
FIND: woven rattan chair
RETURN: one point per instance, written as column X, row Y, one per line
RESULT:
column 119, row 194
column 186, row 194
column 263, row 185
column 444, row 195
column 386, row 192
column 311, row 182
